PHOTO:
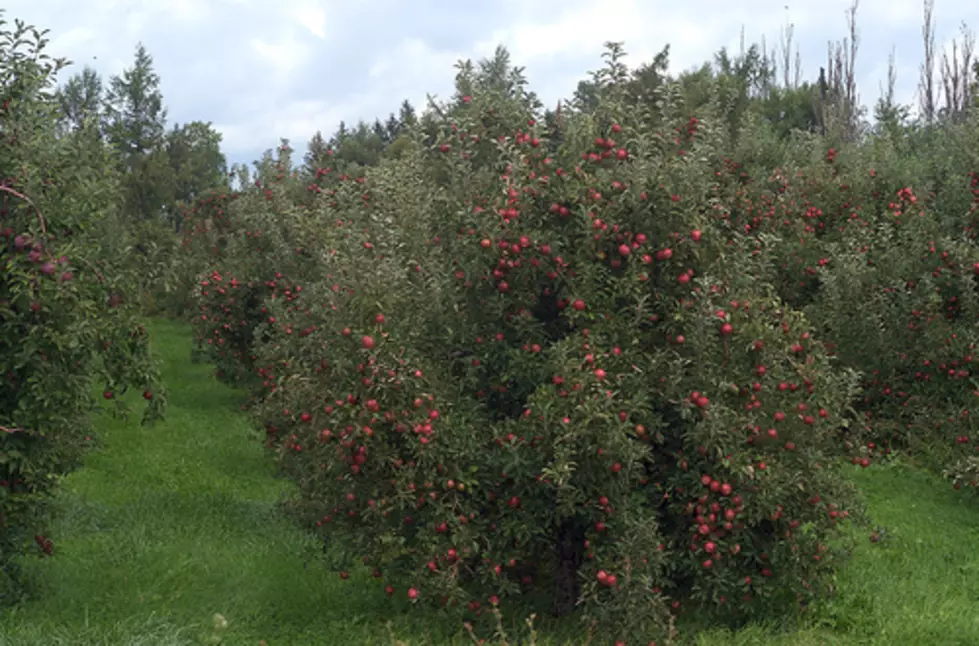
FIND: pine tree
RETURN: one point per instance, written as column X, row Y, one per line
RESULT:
column 81, row 98
column 136, row 128
column 393, row 127
column 317, row 154
column 408, row 116
column 380, row 131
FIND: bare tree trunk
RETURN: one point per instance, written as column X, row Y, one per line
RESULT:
column 926, row 87
column 821, row 108
column 839, row 107
column 887, row 95
column 786, row 56
column 956, row 84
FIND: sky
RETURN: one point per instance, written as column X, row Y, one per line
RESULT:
column 261, row 70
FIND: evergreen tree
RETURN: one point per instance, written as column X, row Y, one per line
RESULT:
column 136, row 128
column 340, row 136
column 381, row 132
column 393, row 127
column 317, row 154
column 407, row 115
column 81, row 98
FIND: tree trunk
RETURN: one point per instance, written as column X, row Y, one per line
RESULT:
column 570, row 549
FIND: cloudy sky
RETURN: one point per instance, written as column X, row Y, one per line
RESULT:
column 260, row 69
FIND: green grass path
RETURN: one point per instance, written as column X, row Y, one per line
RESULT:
column 166, row 526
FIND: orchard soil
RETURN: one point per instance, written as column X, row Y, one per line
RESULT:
column 174, row 535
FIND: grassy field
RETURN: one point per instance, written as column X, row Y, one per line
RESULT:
column 166, row 527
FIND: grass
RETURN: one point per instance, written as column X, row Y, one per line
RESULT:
column 166, row 527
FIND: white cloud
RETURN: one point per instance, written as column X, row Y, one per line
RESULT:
column 411, row 70
column 76, row 39
column 184, row 10
column 581, row 29
column 263, row 70
column 312, row 18
column 284, row 55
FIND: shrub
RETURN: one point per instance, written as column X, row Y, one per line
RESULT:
column 554, row 372
column 883, row 272
column 203, row 236
column 259, row 257
column 65, row 325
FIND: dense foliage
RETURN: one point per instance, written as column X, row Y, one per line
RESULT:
column 505, row 362
column 614, row 355
column 612, row 359
column 68, row 324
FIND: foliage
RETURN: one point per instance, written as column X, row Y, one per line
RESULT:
column 135, row 122
column 880, row 226
column 497, row 371
column 194, row 153
column 65, row 326
column 608, row 353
